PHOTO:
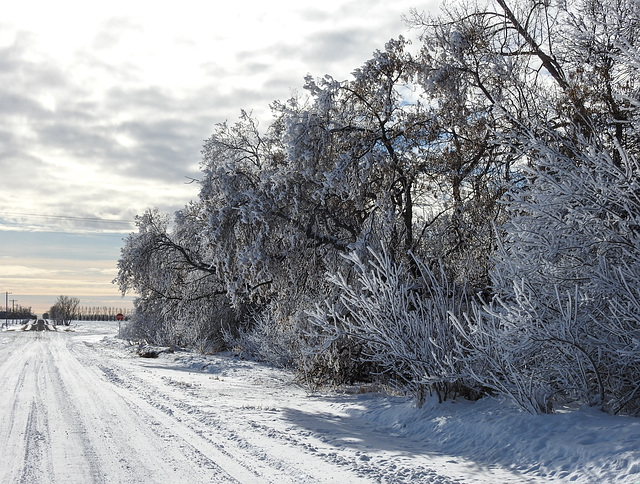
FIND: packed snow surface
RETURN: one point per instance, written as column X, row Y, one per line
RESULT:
column 80, row 407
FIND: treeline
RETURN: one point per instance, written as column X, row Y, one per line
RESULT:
column 19, row 312
column 101, row 313
column 462, row 217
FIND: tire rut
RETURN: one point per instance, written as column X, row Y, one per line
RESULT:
column 233, row 436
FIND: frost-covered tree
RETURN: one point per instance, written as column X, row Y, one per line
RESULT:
column 415, row 161
column 367, row 163
column 64, row 310
column 181, row 299
column 473, row 91
column 258, row 237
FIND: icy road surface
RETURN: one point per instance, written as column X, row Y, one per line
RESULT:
column 76, row 407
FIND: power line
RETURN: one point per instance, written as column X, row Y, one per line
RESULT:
column 66, row 217
column 85, row 226
column 82, row 233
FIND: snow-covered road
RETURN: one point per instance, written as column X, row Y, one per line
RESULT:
column 68, row 417
column 76, row 407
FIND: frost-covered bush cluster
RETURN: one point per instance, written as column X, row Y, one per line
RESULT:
column 401, row 321
column 461, row 217
column 565, row 320
column 267, row 338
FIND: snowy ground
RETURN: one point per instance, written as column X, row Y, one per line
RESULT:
column 81, row 407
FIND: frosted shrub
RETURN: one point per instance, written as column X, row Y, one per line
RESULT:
column 617, row 335
column 266, row 338
column 148, row 326
column 202, row 325
column 402, row 323
column 513, row 349
column 564, row 325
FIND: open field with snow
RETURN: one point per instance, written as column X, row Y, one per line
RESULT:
column 81, row 406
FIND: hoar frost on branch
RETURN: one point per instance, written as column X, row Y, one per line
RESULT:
column 181, row 299
column 567, row 279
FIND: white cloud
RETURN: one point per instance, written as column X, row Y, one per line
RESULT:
column 121, row 93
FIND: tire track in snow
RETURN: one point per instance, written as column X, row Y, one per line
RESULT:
column 35, row 448
column 168, row 421
column 362, row 463
column 136, row 445
column 222, row 430
column 41, row 413
column 75, row 450
column 12, row 420
column 173, row 441
column 20, row 426
column 61, row 422
column 289, row 455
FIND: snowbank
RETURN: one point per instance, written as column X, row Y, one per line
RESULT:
column 577, row 445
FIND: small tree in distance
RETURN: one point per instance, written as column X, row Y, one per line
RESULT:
column 64, row 310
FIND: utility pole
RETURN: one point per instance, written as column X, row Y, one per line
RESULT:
column 13, row 311
column 6, row 308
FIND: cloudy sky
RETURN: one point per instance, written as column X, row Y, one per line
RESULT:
column 104, row 108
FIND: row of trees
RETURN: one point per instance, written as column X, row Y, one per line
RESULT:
column 101, row 313
column 461, row 217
